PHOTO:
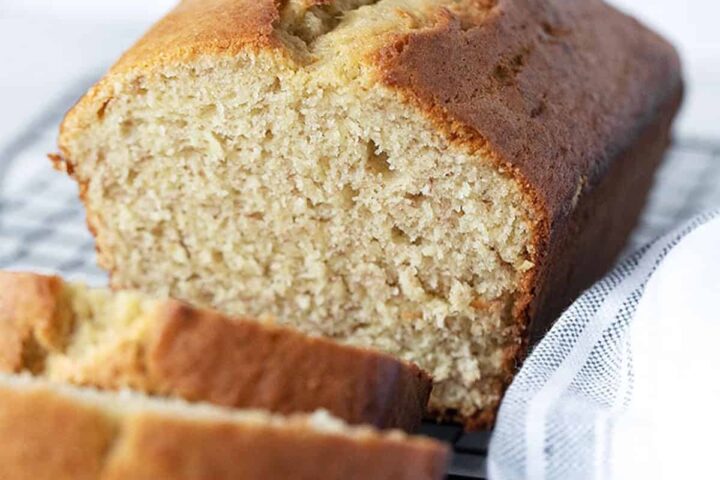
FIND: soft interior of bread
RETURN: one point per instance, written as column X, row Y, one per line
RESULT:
column 105, row 345
column 293, row 184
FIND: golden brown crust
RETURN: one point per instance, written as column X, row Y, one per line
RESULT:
column 598, row 228
column 54, row 434
column 50, row 437
column 31, row 318
column 162, row 447
column 575, row 100
column 203, row 355
column 554, row 89
column 204, row 27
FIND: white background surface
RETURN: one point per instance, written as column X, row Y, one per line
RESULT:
column 45, row 44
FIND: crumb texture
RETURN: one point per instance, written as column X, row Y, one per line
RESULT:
column 298, row 187
column 106, row 347
column 70, row 333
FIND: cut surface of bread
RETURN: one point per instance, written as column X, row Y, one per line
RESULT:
column 67, row 332
column 433, row 178
column 56, row 432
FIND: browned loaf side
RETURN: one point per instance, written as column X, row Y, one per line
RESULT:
column 68, row 333
column 59, row 432
column 434, row 178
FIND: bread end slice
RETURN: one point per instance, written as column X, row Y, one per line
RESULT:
column 59, row 432
column 113, row 340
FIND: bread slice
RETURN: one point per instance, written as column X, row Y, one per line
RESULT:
column 56, row 432
column 69, row 333
column 434, row 178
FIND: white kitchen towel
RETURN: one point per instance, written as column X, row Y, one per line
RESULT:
column 626, row 383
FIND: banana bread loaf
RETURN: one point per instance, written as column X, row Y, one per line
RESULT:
column 69, row 333
column 59, row 432
column 433, row 178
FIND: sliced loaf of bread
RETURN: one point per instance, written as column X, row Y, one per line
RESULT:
column 434, row 178
column 51, row 431
column 112, row 340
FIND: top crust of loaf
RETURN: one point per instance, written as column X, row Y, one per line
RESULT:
column 552, row 89
column 202, row 355
column 57, row 432
column 202, row 27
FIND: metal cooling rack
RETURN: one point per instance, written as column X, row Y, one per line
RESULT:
column 42, row 226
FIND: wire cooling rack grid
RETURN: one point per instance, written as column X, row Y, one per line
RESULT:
column 42, row 227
